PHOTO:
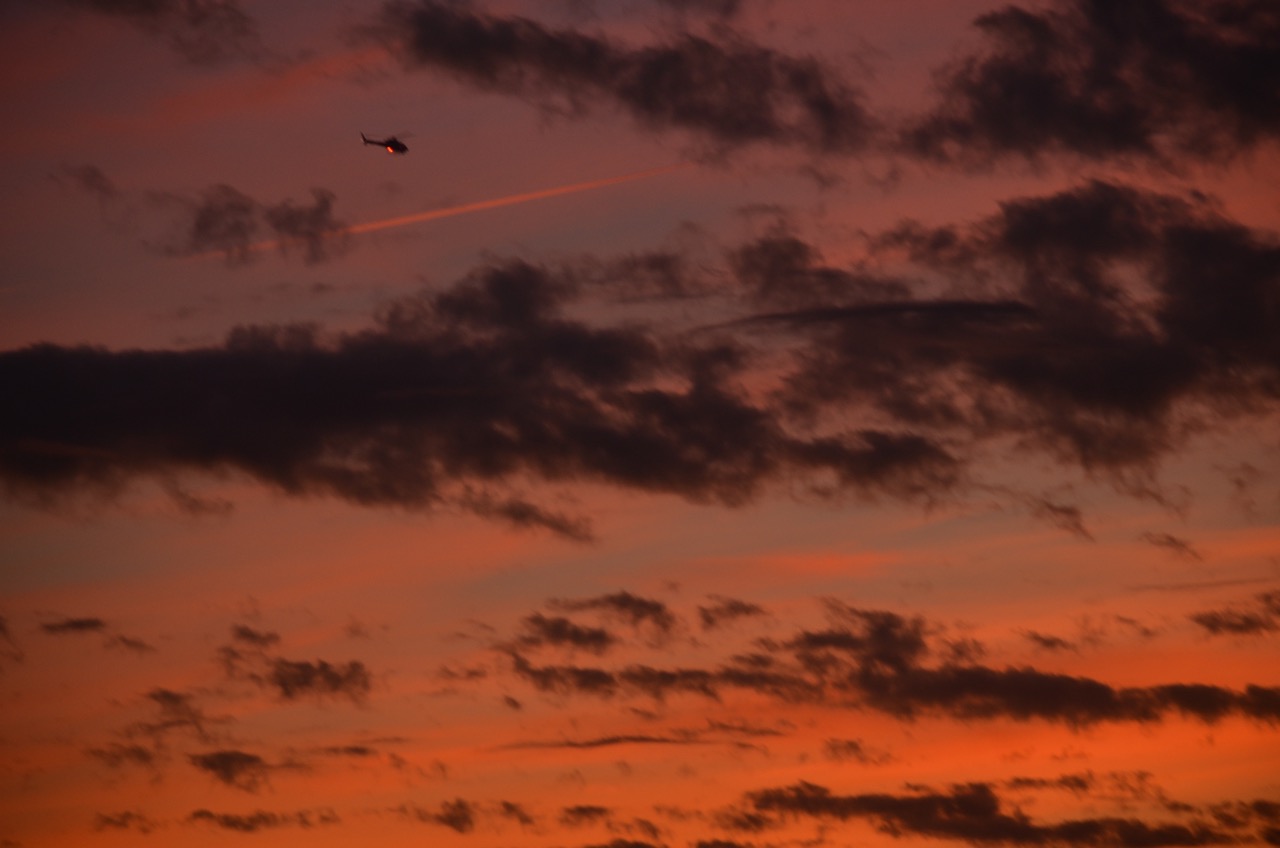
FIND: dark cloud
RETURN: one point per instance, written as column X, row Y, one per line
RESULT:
column 13, row 652
column 228, row 221
column 349, row 751
column 118, row 755
column 853, row 750
column 1127, row 368
column 518, row 512
column 725, row 610
column 75, row 625
column 610, row 741
column 480, row 385
column 1261, row 616
column 458, row 814
column 1047, row 642
column 177, row 711
column 1150, row 78
column 1178, row 547
column 583, row 814
column 313, row 228
column 203, row 31
column 560, row 631
column 721, row 8
column 975, row 813
column 296, row 679
column 1159, row 314
column 727, row 91
column 129, row 643
column 223, row 219
column 91, row 179
column 263, row 819
column 255, row 638
column 234, row 768
column 515, row 812
column 1077, row 783
column 126, row 820
column 1068, row 517
column 633, row 609
column 904, row 667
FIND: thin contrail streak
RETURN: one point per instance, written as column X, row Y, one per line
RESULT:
column 477, row 206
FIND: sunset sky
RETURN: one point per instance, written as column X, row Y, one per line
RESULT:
column 731, row 424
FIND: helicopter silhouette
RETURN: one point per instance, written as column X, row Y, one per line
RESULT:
column 392, row 144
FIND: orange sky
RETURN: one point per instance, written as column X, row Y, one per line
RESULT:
column 730, row 425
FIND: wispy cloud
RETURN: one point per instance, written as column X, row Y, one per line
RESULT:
column 263, row 819
column 74, row 625
column 1260, row 616
column 974, row 813
column 903, row 667
column 234, row 768
column 727, row 92
column 202, row 31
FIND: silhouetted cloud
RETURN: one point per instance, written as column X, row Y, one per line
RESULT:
column 853, row 750
column 516, row 812
column 234, row 768
column 1123, row 371
column 439, row 403
column 349, row 751
column 226, row 220
column 1069, row 517
column 727, row 91
column 117, row 755
column 255, row 638
column 583, row 814
column 1072, row 782
column 1047, row 642
column 458, row 814
column 609, row 741
column 1262, row 616
column 721, row 8
column 727, row 609
column 633, row 609
column 312, row 227
column 543, row 630
column 11, row 651
column 129, row 643
column 177, row 711
column 126, row 820
column 1179, row 547
column 904, row 667
column 1151, row 78
column 91, row 179
column 75, row 625
column 439, row 398
column 203, row 31
column 264, row 819
column 295, row 679
column 975, row 813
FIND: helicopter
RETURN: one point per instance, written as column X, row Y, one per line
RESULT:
column 392, row 144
